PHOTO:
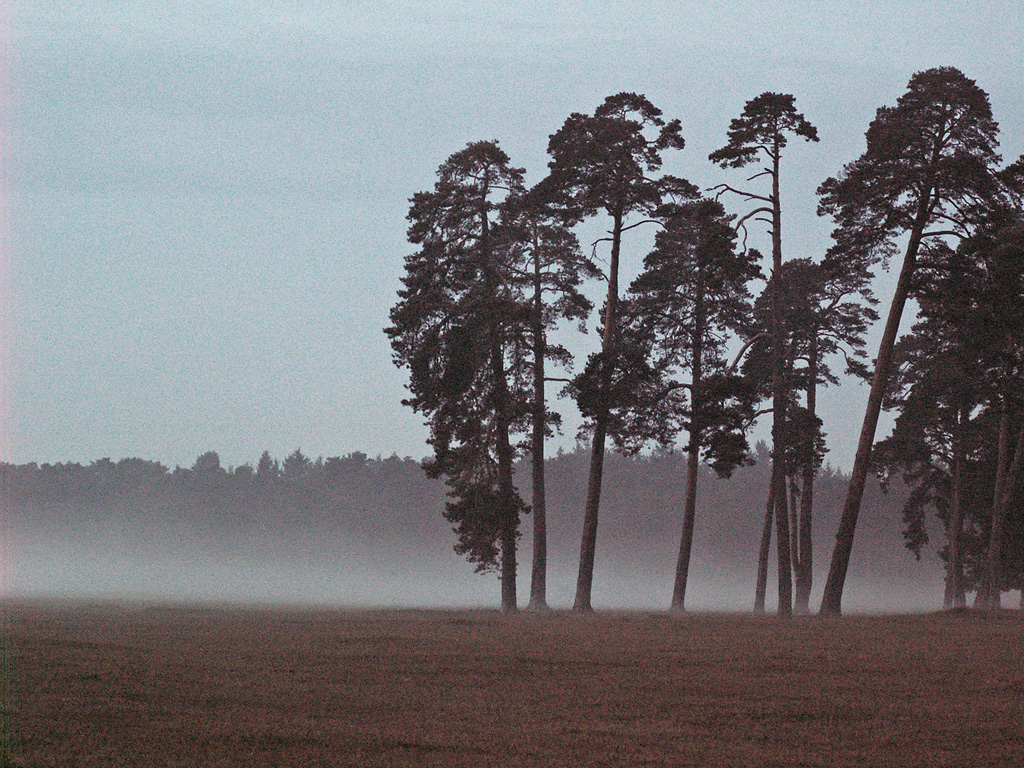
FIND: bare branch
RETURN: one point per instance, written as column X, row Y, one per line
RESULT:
column 944, row 233
column 722, row 188
column 743, row 351
column 751, row 214
column 645, row 221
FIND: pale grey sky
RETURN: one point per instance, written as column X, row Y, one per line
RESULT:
column 208, row 199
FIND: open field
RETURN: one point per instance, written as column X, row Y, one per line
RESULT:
column 178, row 685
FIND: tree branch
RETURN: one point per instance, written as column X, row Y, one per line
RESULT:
column 748, row 195
column 645, row 221
column 743, row 351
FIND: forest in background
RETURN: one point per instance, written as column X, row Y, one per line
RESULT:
column 388, row 513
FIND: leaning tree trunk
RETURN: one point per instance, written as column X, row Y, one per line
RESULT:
column 764, row 551
column 686, row 540
column 538, row 576
column 832, row 598
column 588, row 543
column 693, row 455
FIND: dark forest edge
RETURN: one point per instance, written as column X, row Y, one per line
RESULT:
column 391, row 512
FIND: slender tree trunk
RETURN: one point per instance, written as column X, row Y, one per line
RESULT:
column 764, row 551
column 508, row 529
column 794, row 531
column 502, row 399
column 588, row 544
column 782, row 541
column 993, row 561
column 832, row 599
column 686, row 540
column 693, row 455
column 779, row 397
column 506, row 489
column 1002, row 462
column 804, row 571
column 538, row 576
column 955, row 596
column 805, row 567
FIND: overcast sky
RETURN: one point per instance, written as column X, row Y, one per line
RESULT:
column 207, row 199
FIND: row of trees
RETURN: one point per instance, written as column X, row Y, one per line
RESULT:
column 383, row 516
column 296, row 491
column 498, row 268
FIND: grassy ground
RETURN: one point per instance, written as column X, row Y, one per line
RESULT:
column 109, row 685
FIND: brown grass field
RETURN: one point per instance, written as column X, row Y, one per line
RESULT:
column 179, row 685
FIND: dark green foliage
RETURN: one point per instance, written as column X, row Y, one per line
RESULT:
column 457, row 328
column 929, row 171
column 827, row 309
column 604, row 161
column 687, row 304
column 929, row 162
column 765, row 121
column 958, row 383
column 623, row 391
column 759, row 135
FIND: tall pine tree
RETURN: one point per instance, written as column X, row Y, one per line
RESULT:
column 457, row 327
column 608, row 163
column 758, row 137
column 929, row 171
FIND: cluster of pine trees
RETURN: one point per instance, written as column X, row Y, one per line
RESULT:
column 499, row 267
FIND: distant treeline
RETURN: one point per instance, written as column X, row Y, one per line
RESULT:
column 388, row 510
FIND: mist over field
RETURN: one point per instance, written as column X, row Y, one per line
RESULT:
column 376, row 536
column 38, row 568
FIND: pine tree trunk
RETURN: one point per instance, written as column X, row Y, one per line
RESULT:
column 509, row 514
column 794, row 531
column 686, row 540
column 538, row 575
column 509, row 600
column 779, row 397
column 693, row 456
column 805, row 566
column 993, row 561
column 588, row 543
column 1002, row 462
column 955, row 596
column 832, row 598
column 782, row 540
column 764, row 551
column 804, row 571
